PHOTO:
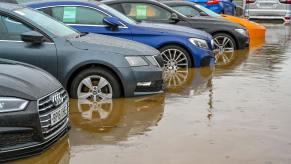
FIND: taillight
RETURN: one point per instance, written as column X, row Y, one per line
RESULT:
column 285, row 1
column 251, row 1
column 212, row 2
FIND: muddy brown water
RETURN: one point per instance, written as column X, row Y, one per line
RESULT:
column 238, row 113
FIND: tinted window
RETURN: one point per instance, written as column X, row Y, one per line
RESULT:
column 11, row 29
column 76, row 15
column 187, row 10
column 141, row 11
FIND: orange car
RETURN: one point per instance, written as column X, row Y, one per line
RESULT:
column 255, row 30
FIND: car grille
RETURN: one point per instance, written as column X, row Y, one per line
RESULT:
column 45, row 108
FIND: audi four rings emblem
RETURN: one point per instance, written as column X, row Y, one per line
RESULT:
column 57, row 99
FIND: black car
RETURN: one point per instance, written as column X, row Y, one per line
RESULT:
column 33, row 110
column 227, row 36
column 90, row 66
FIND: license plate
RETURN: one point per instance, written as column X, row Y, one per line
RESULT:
column 59, row 114
column 267, row 5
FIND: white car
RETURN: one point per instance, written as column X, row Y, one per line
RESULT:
column 268, row 9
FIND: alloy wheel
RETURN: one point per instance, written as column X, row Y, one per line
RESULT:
column 174, row 59
column 224, row 49
column 94, row 88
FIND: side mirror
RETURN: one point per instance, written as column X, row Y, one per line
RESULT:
column 175, row 17
column 32, row 37
column 113, row 22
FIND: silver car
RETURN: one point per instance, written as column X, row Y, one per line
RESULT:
column 268, row 9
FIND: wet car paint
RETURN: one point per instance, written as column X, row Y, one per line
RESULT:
column 237, row 113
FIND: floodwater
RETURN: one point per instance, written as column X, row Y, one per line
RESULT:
column 239, row 113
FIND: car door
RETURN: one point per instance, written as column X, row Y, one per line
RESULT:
column 86, row 19
column 13, row 48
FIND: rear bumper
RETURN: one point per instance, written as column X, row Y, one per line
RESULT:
column 267, row 14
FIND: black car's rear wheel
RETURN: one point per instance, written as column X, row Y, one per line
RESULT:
column 175, row 57
column 95, row 84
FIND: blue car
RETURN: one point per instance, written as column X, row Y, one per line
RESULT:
column 218, row 6
column 179, row 46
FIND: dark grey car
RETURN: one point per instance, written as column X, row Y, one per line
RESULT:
column 88, row 65
column 33, row 110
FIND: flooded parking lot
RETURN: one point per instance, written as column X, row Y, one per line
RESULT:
column 237, row 113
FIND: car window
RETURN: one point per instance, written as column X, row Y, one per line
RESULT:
column 187, row 10
column 76, row 15
column 11, row 29
column 142, row 11
column 51, row 26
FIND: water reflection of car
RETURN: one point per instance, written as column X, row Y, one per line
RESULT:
column 33, row 110
column 187, row 82
column 57, row 154
column 108, row 122
column 88, row 65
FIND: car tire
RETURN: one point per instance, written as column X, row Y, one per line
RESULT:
column 227, row 36
column 175, row 56
column 80, row 83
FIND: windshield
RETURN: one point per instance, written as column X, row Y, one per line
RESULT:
column 52, row 26
column 118, row 14
column 207, row 11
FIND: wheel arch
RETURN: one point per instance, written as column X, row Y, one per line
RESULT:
column 84, row 66
column 182, row 46
column 228, row 33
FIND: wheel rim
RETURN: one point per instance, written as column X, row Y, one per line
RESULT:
column 94, row 88
column 223, row 49
column 174, row 59
column 175, row 78
column 89, row 108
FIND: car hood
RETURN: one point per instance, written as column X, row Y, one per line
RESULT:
column 169, row 29
column 209, row 21
column 104, row 43
column 25, row 81
column 244, row 22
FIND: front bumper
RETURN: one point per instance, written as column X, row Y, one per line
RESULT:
column 30, row 132
column 149, row 78
column 243, row 41
column 31, row 149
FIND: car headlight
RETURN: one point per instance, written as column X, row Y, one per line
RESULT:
column 199, row 43
column 243, row 32
column 10, row 104
column 136, row 61
column 152, row 60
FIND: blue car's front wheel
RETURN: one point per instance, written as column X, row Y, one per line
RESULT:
column 175, row 57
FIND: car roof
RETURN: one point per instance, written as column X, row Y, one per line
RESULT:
column 9, row 6
column 178, row 3
column 115, row 1
column 92, row 2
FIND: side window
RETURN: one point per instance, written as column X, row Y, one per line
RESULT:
column 11, row 29
column 186, row 10
column 76, row 15
column 142, row 11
